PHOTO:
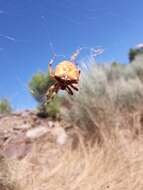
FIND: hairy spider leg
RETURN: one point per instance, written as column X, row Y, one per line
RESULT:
column 51, row 71
column 75, row 54
column 52, row 91
column 74, row 87
column 68, row 89
column 50, row 66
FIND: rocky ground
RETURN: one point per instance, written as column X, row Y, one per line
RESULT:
column 19, row 131
column 36, row 154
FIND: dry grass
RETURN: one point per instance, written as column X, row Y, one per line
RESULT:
column 109, row 154
column 105, row 91
column 115, row 164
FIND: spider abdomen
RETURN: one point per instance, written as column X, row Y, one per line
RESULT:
column 67, row 70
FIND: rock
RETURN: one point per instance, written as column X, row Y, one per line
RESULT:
column 16, row 151
column 51, row 124
column 15, row 147
column 60, row 134
column 37, row 132
column 16, row 114
column 23, row 126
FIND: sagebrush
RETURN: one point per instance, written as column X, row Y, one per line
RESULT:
column 105, row 90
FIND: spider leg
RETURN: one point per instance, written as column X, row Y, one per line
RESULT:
column 51, row 72
column 75, row 54
column 50, row 66
column 68, row 89
column 74, row 87
column 52, row 91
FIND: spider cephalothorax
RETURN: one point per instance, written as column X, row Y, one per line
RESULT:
column 66, row 75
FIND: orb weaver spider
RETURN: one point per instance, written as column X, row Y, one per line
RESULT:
column 66, row 75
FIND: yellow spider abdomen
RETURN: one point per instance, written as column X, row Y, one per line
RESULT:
column 67, row 70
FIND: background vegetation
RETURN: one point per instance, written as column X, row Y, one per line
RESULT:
column 105, row 92
column 5, row 106
column 104, row 150
column 38, row 87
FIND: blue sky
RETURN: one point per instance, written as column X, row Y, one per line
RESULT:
column 28, row 27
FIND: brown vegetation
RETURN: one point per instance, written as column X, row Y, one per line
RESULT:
column 104, row 149
column 114, row 164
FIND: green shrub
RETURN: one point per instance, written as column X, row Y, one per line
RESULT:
column 51, row 109
column 134, row 52
column 38, row 86
column 5, row 107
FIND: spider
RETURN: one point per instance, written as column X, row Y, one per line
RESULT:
column 66, row 75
